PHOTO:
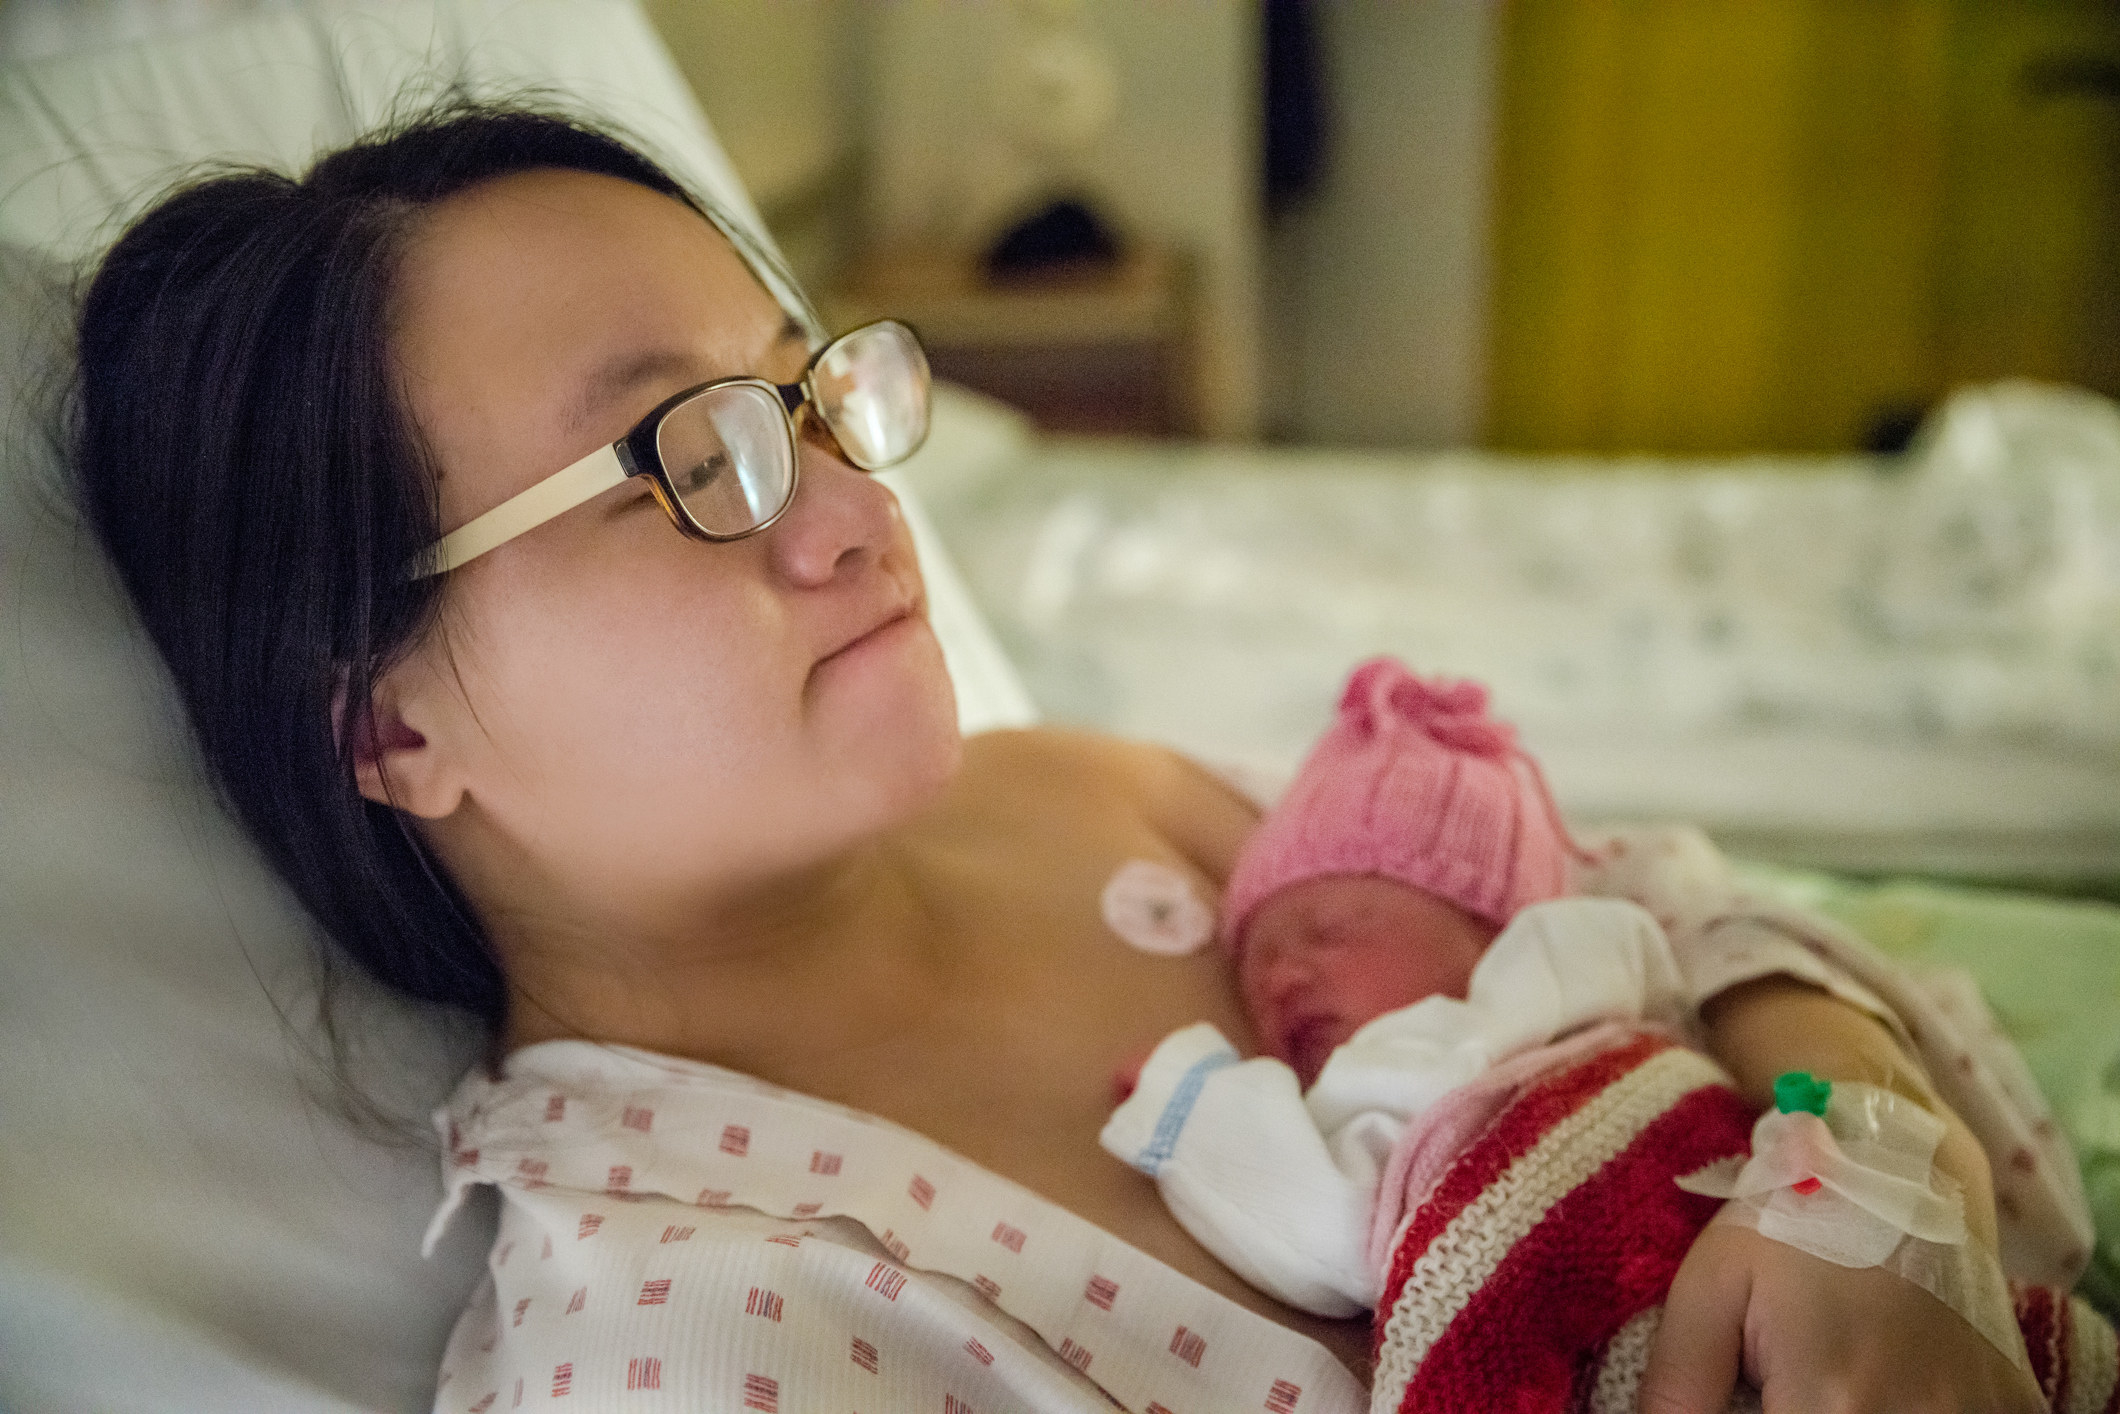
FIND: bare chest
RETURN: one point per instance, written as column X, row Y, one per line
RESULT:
column 1014, row 1065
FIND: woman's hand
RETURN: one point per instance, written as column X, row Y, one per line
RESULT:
column 1812, row 1336
column 1816, row 1338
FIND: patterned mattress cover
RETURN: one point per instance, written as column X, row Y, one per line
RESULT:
column 1875, row 664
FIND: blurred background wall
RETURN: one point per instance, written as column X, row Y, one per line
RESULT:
column 926, row 128
column 1675, row 225
column 1376, row 290
column 1635, row 225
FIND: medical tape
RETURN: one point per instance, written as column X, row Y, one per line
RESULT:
column 1846, row 1172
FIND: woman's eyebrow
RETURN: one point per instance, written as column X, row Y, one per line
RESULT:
column 620, row 376
column 623, row 374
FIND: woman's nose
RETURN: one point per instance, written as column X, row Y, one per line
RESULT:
column 840, row 519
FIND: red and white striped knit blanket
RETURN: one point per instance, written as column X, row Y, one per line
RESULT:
column 1532, row 1275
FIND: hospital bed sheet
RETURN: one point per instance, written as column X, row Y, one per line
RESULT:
column 1858, row 663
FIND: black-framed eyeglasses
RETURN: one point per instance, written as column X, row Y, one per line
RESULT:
column 720, row 458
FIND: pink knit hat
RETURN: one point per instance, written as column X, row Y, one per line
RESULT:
column 1414, row 782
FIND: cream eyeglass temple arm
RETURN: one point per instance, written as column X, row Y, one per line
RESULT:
column 562, row 491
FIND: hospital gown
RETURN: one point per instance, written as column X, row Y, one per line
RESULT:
column 678, row 1236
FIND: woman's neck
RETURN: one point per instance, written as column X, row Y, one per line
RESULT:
column 833, row 960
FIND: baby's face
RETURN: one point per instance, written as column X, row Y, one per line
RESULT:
column 1324, row 957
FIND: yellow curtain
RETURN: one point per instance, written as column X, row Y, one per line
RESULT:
column 1724, row 225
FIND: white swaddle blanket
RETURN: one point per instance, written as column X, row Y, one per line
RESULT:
column 1282, row 1185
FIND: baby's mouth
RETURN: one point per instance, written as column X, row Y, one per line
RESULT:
column 1306, row 1043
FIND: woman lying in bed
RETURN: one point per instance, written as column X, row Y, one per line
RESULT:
column 804, row 1013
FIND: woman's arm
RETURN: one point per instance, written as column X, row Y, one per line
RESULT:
column 1812, row 1335
column 1764, row 1028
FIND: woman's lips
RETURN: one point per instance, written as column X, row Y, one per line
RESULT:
column 873, row 635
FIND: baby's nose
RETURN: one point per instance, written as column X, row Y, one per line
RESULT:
column 1284, row 973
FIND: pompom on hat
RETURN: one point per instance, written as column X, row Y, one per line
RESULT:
column 1413, row 782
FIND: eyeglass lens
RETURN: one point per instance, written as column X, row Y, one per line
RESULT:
column 730, row 452
column 872, row 390
column 729, row 457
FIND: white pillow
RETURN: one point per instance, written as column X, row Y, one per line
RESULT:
column 187, row 1219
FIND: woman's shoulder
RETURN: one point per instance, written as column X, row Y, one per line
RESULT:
column 1110, row 762
column 1058, row 774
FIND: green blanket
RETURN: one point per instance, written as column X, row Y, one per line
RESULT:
column 2050, row 968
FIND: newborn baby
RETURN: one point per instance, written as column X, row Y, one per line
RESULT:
column 1477, row 1115
column 1415, row 831
column 1400, row 925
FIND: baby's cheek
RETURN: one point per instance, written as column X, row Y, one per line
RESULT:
column 1260, row 997
column 1398, row 972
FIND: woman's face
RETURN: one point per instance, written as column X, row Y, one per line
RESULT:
column 608, row 706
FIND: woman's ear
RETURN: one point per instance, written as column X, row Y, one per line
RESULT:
column 399, row 759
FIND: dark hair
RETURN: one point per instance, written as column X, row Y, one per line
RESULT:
column 247, row 463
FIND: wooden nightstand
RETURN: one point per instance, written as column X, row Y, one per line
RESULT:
column 1103, row 352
